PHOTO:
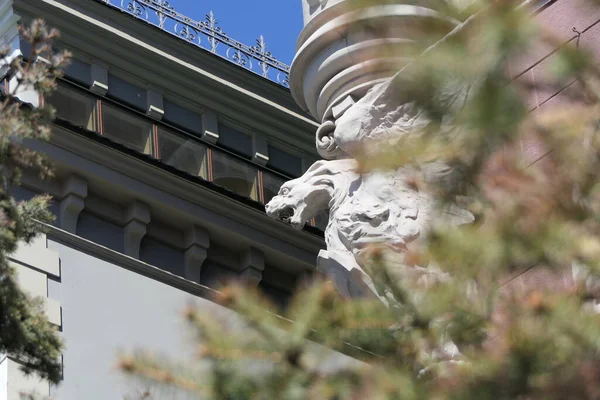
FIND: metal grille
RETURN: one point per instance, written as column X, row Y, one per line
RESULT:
column 206, row 35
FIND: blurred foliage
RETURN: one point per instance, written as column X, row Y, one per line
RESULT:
column 25, row 332
column 460, row 321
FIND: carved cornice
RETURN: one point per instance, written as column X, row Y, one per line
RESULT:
column 205, row 207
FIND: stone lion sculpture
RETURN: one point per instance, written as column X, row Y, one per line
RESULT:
column 379, row 207
column 375, row 208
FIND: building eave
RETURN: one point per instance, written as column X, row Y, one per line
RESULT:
column 174, row 196
column 198, row 76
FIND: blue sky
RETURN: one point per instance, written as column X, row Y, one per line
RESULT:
column 279, row 21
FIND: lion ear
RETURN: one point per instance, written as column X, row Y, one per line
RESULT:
column 316, row 166
column 323, row 181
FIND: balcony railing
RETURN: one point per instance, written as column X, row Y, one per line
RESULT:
column 206, row 35
column 168, row 144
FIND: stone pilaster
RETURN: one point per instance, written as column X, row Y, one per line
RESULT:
column 34, row 264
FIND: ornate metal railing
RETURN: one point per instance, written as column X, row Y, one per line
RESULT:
column 206, row 35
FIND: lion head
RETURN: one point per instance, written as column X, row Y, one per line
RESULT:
column 295, row 203
column 301, row 199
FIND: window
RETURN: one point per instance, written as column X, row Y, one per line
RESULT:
column 235, row 175
column 127, row 129
column 182, row 153
column 182, row 117
column 284, row 162
column 235, row 141
column 79, row 71
column 77, row 108
column 24, row 45
column 179, row 149
column 126, row 92
column 271, row 185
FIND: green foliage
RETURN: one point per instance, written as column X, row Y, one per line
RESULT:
column 25, row 332
column 454, row 285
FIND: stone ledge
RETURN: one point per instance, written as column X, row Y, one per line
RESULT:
column 53, row 311
column 38, row 256
column 35, row 284
column 13, row 381
column 32, row 281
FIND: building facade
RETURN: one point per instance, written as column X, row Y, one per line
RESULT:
column 164, row 154
column 170, row 138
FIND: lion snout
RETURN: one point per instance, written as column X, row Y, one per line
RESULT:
column 270, row 209
column 279, row 210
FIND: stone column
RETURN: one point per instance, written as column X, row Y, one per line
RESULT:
column 346, row 47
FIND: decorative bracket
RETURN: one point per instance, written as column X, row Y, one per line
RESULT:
column 252, row 266
column 75, row 190
column 138, row 216
column 197, row 243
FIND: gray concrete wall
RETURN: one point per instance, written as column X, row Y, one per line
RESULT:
column 110, row 310
column 107, row 310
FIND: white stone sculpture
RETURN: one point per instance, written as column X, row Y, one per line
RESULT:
column 380, row 207
column 360, row 108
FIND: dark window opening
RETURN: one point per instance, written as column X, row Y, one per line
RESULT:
column 174, row 147
column 127, row 92
column 236, row 141
column 77, row 108
column 79, row 71
column 284, row 162
column 182, row 153
column 235, row 175
column 182, row 117
column 127, row 129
